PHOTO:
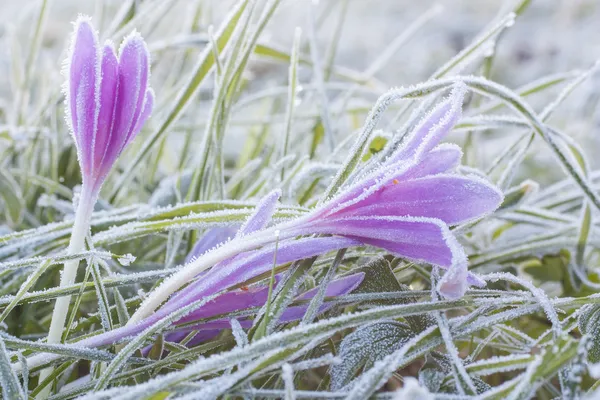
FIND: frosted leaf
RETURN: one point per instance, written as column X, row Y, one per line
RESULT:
column 431, row 379
column 238, row 333
column 366, row 345
column 589, row 324
column 9, row 382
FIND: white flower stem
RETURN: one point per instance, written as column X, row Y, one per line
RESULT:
column 190, row 270
column 81, row 227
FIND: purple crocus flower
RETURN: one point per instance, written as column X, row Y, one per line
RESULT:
column 407, row 205
column 404, row 207
column 107, row 102
column 108, row 98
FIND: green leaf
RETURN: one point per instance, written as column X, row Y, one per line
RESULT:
column 157, row 349
column 12, row 197
column 551, row 267
column 377, row 144
column 589, row 324
column 11, row 388
column 318, row 131
column 366, row 345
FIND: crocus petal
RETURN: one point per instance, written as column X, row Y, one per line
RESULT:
column 443, row 158
column 452, row 198
column 257, row 296
column 131, row 96
column 408, row 159
column 229, row 302
column 416, row 238
column 212, row 238
column 262, row 214
column 134, row 70
column 434, row 127
column 107, row 99
column 453, row 284
column 83, row 97
column 147, row 110
column 261, row 217
column 108, row 95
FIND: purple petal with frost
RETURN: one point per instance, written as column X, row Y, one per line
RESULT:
column 132, row 84
column 337, row 287
column 108, row 95
column 257, row 296
column 257, row 221
column 108, row 99
column 434, row 127
column 417, row 238
column 452, row 198
column 82, row 91
column 442, row 159
column 408, row 158
column 228, row 302
column 262, row 214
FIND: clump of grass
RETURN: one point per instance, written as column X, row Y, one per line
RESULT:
column 336, row 313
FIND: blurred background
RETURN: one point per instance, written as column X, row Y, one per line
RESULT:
column 386, row 42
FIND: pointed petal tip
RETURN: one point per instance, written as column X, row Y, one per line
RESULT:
column 84, row 21
column 83, row 31
column 263, row 213
column 136, row 42
column 475, row 280
column 454, row 283
column 109, row 45
column 491, row 196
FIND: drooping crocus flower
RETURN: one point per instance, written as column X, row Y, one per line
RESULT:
column 244, row 267
column 404, row 207
column 108, row 100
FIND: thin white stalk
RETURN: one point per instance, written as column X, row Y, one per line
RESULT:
column 81, row 227
column 190, row 270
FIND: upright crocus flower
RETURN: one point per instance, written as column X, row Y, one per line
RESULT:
column 108, row 101
column 404, row 207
